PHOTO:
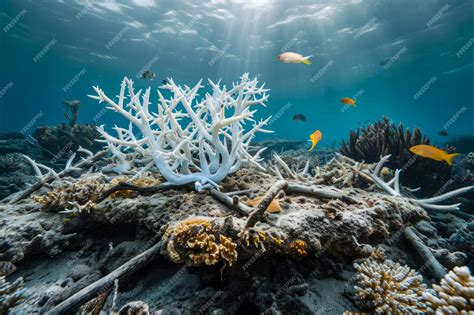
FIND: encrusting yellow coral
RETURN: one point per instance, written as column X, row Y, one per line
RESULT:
column 454, row 294
column 228, row 249
column 207, row 248
column 385, row 287
column 297, row 248
column 198, row 241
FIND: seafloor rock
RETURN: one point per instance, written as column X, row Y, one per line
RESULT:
column 383, row 137
column 64, row 138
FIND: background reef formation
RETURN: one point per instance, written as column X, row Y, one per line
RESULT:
column 384, row 137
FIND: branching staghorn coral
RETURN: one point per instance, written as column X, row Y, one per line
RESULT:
column 204, row 151
column 454, row 294
column 385, row 287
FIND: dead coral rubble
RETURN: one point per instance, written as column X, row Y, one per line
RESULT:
column 323, row 211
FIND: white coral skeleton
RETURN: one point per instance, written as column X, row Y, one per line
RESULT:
column 392, row 187
column 187, row 140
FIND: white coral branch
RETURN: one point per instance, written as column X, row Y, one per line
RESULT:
column 213, row 143
column 392, row 187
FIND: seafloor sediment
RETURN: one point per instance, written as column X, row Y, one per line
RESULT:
column 217, row 252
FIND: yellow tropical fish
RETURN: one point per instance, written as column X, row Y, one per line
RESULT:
column 433, row 153
column 348, row 101
column 315, row 137
column 291, row 57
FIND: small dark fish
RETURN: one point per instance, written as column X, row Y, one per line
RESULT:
column 443, row 133
column 299, row 117
column 148, row 75
column 6, row 268
column 164, row 82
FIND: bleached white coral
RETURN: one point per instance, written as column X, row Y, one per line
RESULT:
column 454, row 294
column 188, row 140
column 386, row 287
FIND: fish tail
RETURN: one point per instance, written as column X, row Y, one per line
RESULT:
column 450, row 157
column 313, row 144
column 306, row 60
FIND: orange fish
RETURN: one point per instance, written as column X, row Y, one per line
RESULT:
column 315, row 137
column 348, row 101
column 433, row 153
column 273, row 207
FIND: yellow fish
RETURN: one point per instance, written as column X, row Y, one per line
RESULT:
column 291, row 57
column 273, row 207
column 433, row 153
column 315, row 137
column 348, row 101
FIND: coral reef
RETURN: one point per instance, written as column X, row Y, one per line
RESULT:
column 73, row 107
column 382, row 138
column 454, row 294
column 463, row 144
column 62, row 139
column 216, row 143
column 10, row 294
column 387, row 287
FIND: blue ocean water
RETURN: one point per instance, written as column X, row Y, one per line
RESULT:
column 412, row 61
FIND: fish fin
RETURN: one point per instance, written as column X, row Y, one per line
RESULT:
column 306, row 60
column 450, row 157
